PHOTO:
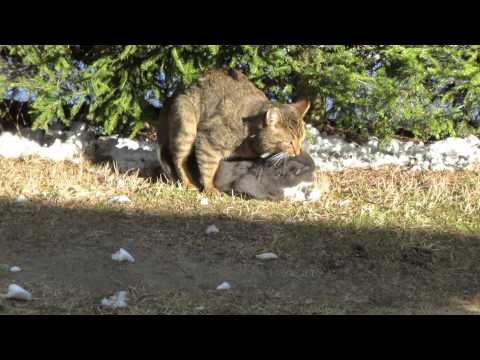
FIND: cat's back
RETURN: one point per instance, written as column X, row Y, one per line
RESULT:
column 222, row 91
column 221, row 82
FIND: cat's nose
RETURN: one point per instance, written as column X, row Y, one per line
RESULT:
column 296, row 149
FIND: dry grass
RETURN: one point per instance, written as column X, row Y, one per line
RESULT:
column 42, row 179
column 378, row 220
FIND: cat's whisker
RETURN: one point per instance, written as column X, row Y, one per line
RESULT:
column 279, row 161
column 279, row 158
column 273, row 159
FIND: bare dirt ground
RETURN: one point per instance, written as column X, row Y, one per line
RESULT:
column 334, row 258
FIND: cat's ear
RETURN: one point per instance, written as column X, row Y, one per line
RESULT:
column 302, row 107
column 272, row 118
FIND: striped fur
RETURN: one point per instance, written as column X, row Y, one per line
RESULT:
column 223, row 115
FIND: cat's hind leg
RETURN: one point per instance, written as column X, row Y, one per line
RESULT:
column 182, row 134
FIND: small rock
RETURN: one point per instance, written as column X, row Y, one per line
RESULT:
column 416, row 168
column 200, row 308
column 123, row 255
column 118, row 300
column 18, row 293
column 344, row 202
column 212, row 229
column 15, row 269
column 21, row 199
column 120, row 199
column 267, row 256
column 224, row 286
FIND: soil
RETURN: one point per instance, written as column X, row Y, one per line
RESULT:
column 65, row 256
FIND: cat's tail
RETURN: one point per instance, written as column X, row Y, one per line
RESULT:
column 165, row 161
column 159, row 120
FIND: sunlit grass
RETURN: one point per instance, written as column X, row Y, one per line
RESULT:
column 382, row 198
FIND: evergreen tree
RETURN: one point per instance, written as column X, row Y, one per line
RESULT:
column 425, row 91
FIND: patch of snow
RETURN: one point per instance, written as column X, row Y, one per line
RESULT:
column 79, row 142
column 211, row 229
column 314, row 195
column 14, row 146
column 117, row 300
column 128, row 154
column 133, row 144
column 66, row 145
column 224, row 286
column 332, row 153
column 120, row 199
column 123, row 255
column 18, row 293
column 296, row 193
column 267, row 256
column 15, row 269
column 305, row 191
column 203, row 201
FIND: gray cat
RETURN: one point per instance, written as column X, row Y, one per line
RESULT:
column 263, row 179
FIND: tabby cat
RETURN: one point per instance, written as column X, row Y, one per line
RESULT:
column 223, row 115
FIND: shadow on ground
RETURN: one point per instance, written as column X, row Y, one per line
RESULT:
column 322, row 268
